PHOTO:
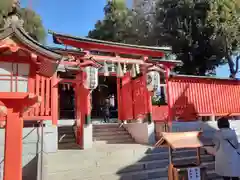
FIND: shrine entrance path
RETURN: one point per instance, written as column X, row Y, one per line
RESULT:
column 102, row 162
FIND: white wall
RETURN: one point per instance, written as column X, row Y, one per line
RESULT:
column 142, row 133
column 31, row 156
column 87, row 136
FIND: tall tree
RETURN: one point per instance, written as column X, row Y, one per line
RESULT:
column 116, row 25
column 32, row 22
column 201, row 32
column 144, row 21
column 181, row 24
column 224, row 19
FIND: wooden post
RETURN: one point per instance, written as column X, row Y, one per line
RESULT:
column 83, row 102
column 13, row 146
column 78, row 111
column 54, row 99
column 149, row 106
column 87, row 106
column 133, row 98
column 169, row 102
column 119, row 98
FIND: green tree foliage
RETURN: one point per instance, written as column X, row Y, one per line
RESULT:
column 202, row 33
column 32, row 22
column 116, row 25
column 182, row 25
column 5, row 8
column 224, row 19
column 122, row 24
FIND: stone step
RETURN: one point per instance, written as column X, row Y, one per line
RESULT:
column 66, row 138
column 108, row 125
column 119, row 162
column 127, row 161
column 113, row 137
column 65, row 128
column 138, row 166
column 212, row 175
column 109, row 133
column 144, row 174
column 119, row 155
column 65, row 131
column 68, row 146
column 157, row 173
column 116, row 141
column 113, row 130
column 166, row 178
column 165, row 155
column 69, row 133
column 66, row 135
column 165, row 149
column 161, row 178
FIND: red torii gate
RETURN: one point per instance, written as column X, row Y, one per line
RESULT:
column 127, row 86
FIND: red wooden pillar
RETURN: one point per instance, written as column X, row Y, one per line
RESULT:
column 54, row 100
column 149, row 106
column 83, row 108
column 13, row 146
column 169, row 100
column 148, row 100
column 87, row 106
column 131, row 81
column 119, row 101
column 78, row 111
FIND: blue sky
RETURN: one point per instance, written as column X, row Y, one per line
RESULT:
column 75, row 17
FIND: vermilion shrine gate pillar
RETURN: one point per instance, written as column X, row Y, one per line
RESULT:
column 13, row 105
column 85, row 81
column 83, row 108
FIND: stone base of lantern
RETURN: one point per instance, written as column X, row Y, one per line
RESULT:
column 87, row 136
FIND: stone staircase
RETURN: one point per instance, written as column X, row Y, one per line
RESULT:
column 66, row 138
column 111, row 133
column 119, row 162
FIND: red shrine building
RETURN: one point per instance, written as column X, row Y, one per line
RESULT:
column 48, row 87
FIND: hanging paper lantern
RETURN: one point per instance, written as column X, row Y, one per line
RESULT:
column 133, row 71
column 68, row 87
column 105, row 69
column 137, row 68
column 153, row 80
column 91, row 79
column 113, row 67
column 119, row 70
column 64, row 87
column 124, row 68
column 112, row 100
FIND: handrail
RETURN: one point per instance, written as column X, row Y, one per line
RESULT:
column 27, row 136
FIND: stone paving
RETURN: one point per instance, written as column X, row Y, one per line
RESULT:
column 99, row 163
